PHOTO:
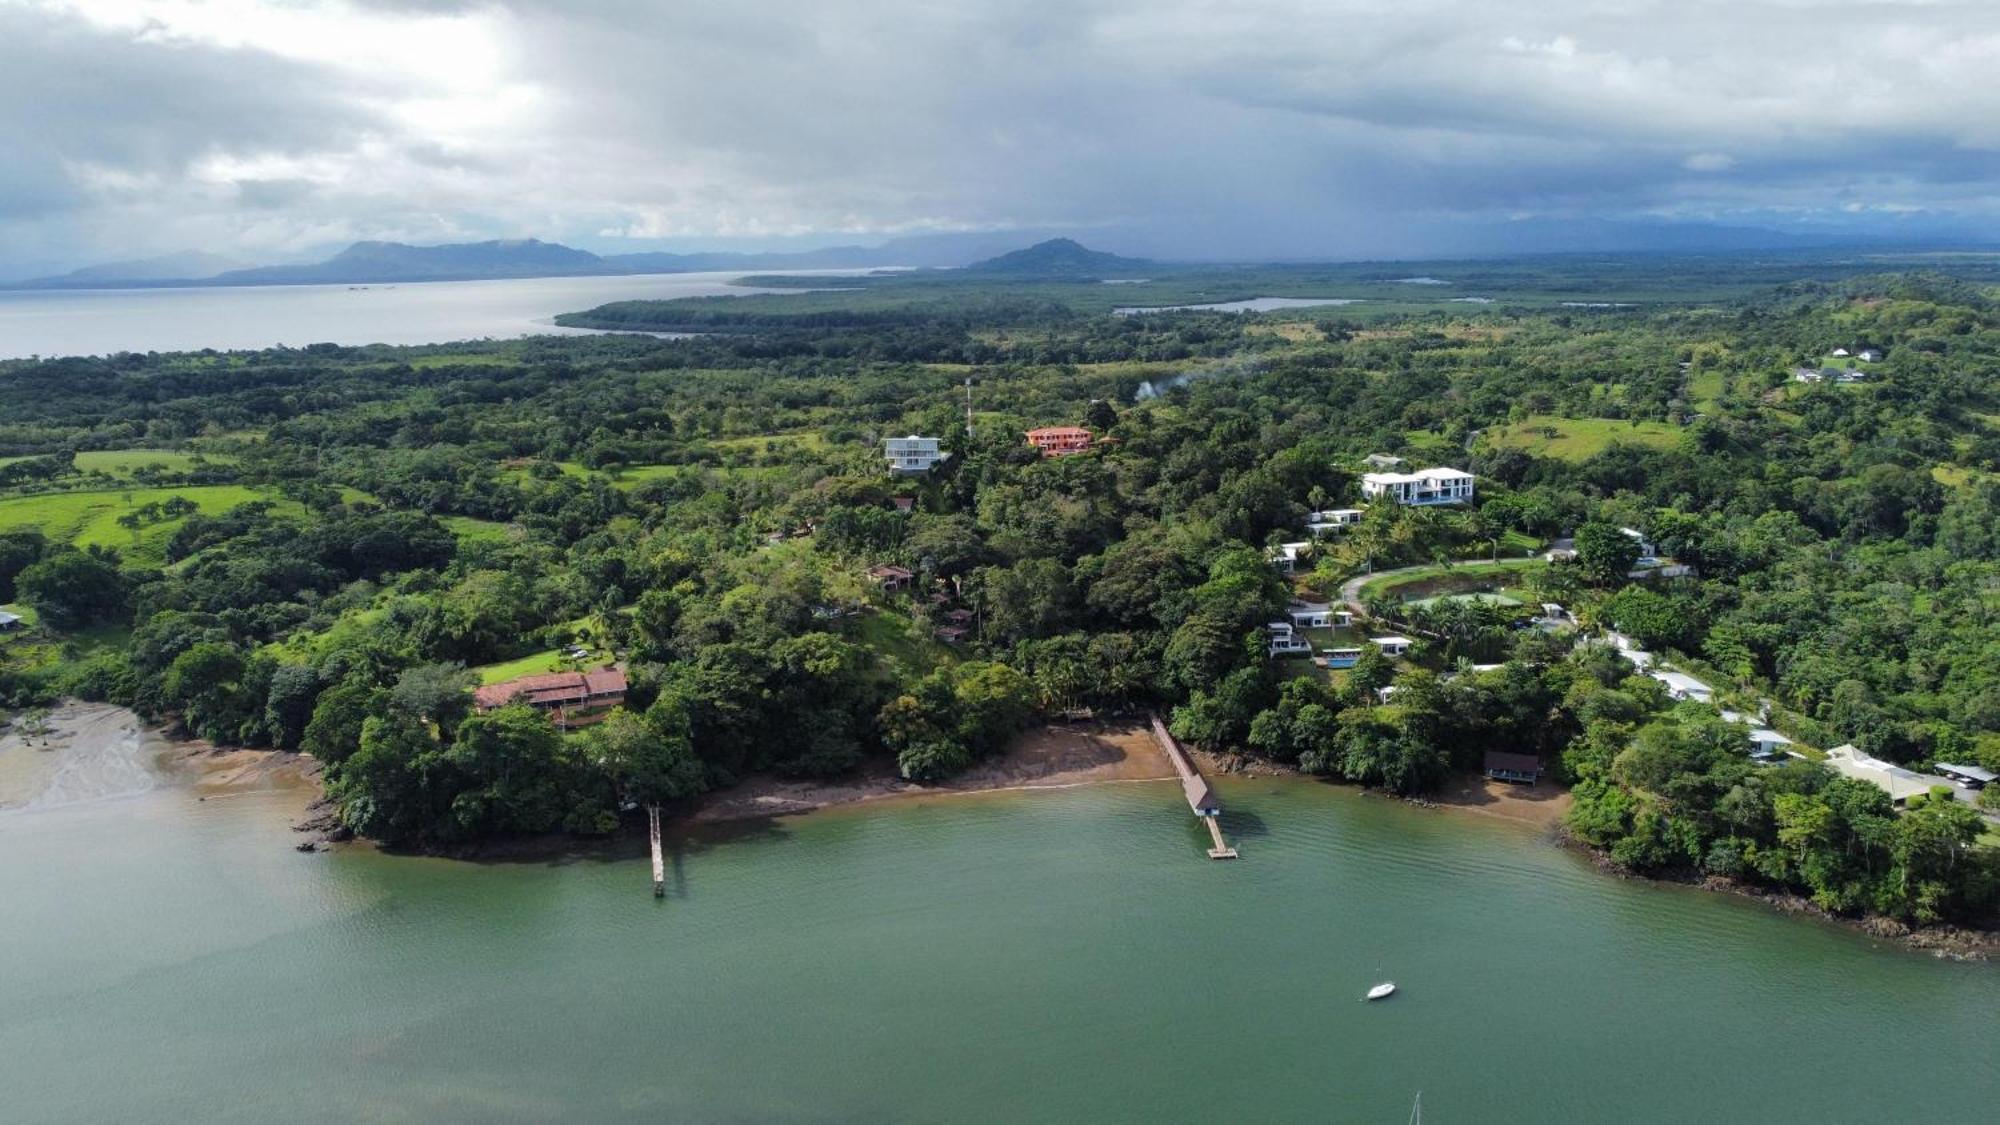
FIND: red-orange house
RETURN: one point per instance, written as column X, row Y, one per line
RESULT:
column 1060, row 441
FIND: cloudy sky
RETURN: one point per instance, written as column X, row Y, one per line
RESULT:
column 273, row 130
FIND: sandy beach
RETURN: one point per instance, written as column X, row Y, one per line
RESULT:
column 1048, row 757
column 1540, row 805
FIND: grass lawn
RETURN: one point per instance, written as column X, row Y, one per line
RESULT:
column 1705, row 389
column 91, row 518
column 632, row 476
column 1575, row 439
column 810, row 440
column 1490, row 598
column 469, row 529
column 432, row 362
column 894, row 637
column 524, row 471
column 533, row 664
column 1957, row 476
column 125, row 462
column 1470, row 574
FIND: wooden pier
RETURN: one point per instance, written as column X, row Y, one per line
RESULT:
column 1200, row 798
column 659, row 857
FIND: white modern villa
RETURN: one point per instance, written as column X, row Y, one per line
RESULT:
column 1425, row 486
column 912, row 455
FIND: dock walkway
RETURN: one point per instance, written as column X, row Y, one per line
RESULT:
column 659, row 856
column 1200, row 798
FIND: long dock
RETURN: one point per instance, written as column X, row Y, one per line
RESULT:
column 1200, row 798
column 659, row 856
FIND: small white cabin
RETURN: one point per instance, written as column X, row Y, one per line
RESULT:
column 1391, row 646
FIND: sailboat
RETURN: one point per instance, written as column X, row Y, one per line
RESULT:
column 1417, row 1110
column 1380, row 991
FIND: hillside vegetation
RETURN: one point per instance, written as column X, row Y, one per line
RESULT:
column 707, row 511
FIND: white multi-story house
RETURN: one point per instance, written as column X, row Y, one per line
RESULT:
column 1425, row 486
column 912, row 455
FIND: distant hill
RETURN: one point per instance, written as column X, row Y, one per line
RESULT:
column 385, row 262
column 377, row 262
column 1059, row 257
column 187, row 265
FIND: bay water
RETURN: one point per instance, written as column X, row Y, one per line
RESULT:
column 1046, row 956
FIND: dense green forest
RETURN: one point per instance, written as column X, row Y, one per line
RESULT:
column 325, row 549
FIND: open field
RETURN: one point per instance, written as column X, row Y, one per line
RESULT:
column 1574, row 439
column 470, row 529
column 125, row 462
column 91, row 518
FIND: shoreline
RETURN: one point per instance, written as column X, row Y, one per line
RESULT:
column 1947, row 941
column 1055, row 756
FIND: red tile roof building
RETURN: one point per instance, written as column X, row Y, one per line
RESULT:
column 1060, row 441
column 569, row 697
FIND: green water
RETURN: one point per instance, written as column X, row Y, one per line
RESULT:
column 1061, row 956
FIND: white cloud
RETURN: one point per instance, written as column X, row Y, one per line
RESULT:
column 1262, row 126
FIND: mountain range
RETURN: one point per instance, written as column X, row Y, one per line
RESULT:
column 374, row 263
column 992, row 252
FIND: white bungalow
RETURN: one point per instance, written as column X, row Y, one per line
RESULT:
column 1900, row 784
column 1647, row 552
column 1383, row 461
column 912, row 455
column 1312, row 615
column 1841, row 353
column 1425, row 486
column 1680, row 685
column 1285, row 556
column 1391, row 646
column 1332, row 520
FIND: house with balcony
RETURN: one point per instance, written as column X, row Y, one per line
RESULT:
column 1282, row 640
column 912, row 455
column 1060, row 441
column 1425, row 486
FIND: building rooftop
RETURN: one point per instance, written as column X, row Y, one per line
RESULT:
column 1976, row 773
column 1419, row 477
column 1848, row 761
column 1683, row 682
column 552, row 688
